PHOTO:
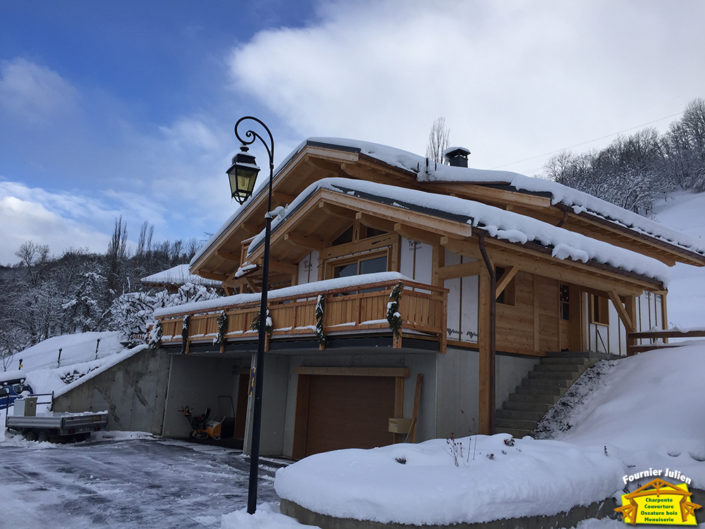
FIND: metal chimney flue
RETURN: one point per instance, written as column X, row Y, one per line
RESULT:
column 457, row 156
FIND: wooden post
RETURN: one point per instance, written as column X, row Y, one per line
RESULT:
column 630, row 308
column 664, row 313
column 486, row 367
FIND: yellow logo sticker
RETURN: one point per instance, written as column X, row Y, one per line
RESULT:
column 659, row 502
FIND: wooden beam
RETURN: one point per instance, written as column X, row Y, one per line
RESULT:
column 311, row 243
column 209, row 274
column 491, row 194
column 486, row 386
column 542, row 264
column 281, row 266
column 416, row 234
column 335, row 211
column 230, row 256
column 630, row 308
column 284, row 198
column 460, row 270
column 353, row 371
column 374, row 222
column 505, row 280
column 621, row 311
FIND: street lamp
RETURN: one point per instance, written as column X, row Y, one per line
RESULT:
column 242, row 174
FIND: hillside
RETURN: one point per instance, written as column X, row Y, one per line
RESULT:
column 686, row 290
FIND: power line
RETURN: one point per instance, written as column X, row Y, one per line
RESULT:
column 587, row 142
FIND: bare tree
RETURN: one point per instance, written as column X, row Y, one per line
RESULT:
column 438, row 141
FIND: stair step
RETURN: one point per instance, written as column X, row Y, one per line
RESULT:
column 515, row 423
column 544, row 385
column 557, row 368
column 570, row 360
column 527, row 405
column 519, row 414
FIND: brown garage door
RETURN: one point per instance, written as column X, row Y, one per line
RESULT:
column 342, row 412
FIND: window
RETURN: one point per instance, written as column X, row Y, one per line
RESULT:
column 346, row 236
column 565, row 302
column 599, row 310
column 360, row 265
column 507, row 297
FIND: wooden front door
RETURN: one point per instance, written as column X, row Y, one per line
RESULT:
column 334, row 412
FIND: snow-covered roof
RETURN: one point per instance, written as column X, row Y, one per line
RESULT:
column 179, row 275
column 578, row 201
column 499, row 224
column 313, row 288
column 560, row 194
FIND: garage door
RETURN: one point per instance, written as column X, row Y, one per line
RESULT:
column 336, row 412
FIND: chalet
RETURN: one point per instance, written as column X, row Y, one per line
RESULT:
column 409, row 300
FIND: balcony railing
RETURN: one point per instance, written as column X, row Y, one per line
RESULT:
column 348, row 310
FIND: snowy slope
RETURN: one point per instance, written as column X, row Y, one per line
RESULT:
column 686, row 298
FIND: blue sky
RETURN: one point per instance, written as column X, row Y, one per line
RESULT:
column 127, row 108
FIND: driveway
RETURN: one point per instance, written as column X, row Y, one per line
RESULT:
column 124, row 484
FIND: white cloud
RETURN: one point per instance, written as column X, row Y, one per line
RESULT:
column 514, row 79
column 24, row 220
column 33, row 91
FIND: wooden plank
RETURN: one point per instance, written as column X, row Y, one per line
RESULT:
column 374, row 222
column 486, row 364
column 634, row 349
column 398, row 403
column 630, row 309
column 505, row 280
column 664, row 311
column 490, row 194
column 460, row 270
column 281, row 266
column 669, row 333
column 621, row 311
column 411, row 436
column 311, row 243
column 416, row 234
column 230, row 256
column 303, row 393
column 353, row 371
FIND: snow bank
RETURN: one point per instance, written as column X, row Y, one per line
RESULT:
column 267, row 516
column 78, row 361
column 649, row 411
column 500, row 224
column 496, row 477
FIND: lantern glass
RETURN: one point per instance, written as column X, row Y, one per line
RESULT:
column 243, row 175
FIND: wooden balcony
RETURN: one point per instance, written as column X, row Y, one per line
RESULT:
column 348, row 311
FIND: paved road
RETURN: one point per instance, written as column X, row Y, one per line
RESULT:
column 123, row 485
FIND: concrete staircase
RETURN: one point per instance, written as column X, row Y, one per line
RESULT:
column 540, row 390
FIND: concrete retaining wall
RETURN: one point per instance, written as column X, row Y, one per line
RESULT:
column 132, row 391
column 602, row 509
column 599, row 509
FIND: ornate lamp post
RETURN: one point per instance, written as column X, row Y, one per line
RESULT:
column 242, row 174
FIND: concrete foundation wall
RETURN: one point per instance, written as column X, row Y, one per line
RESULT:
column 132, row 391
column 197, row 381
column 274, row 408
column 457, row 380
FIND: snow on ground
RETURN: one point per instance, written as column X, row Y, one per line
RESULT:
column 495, row 477
column 123, row 484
